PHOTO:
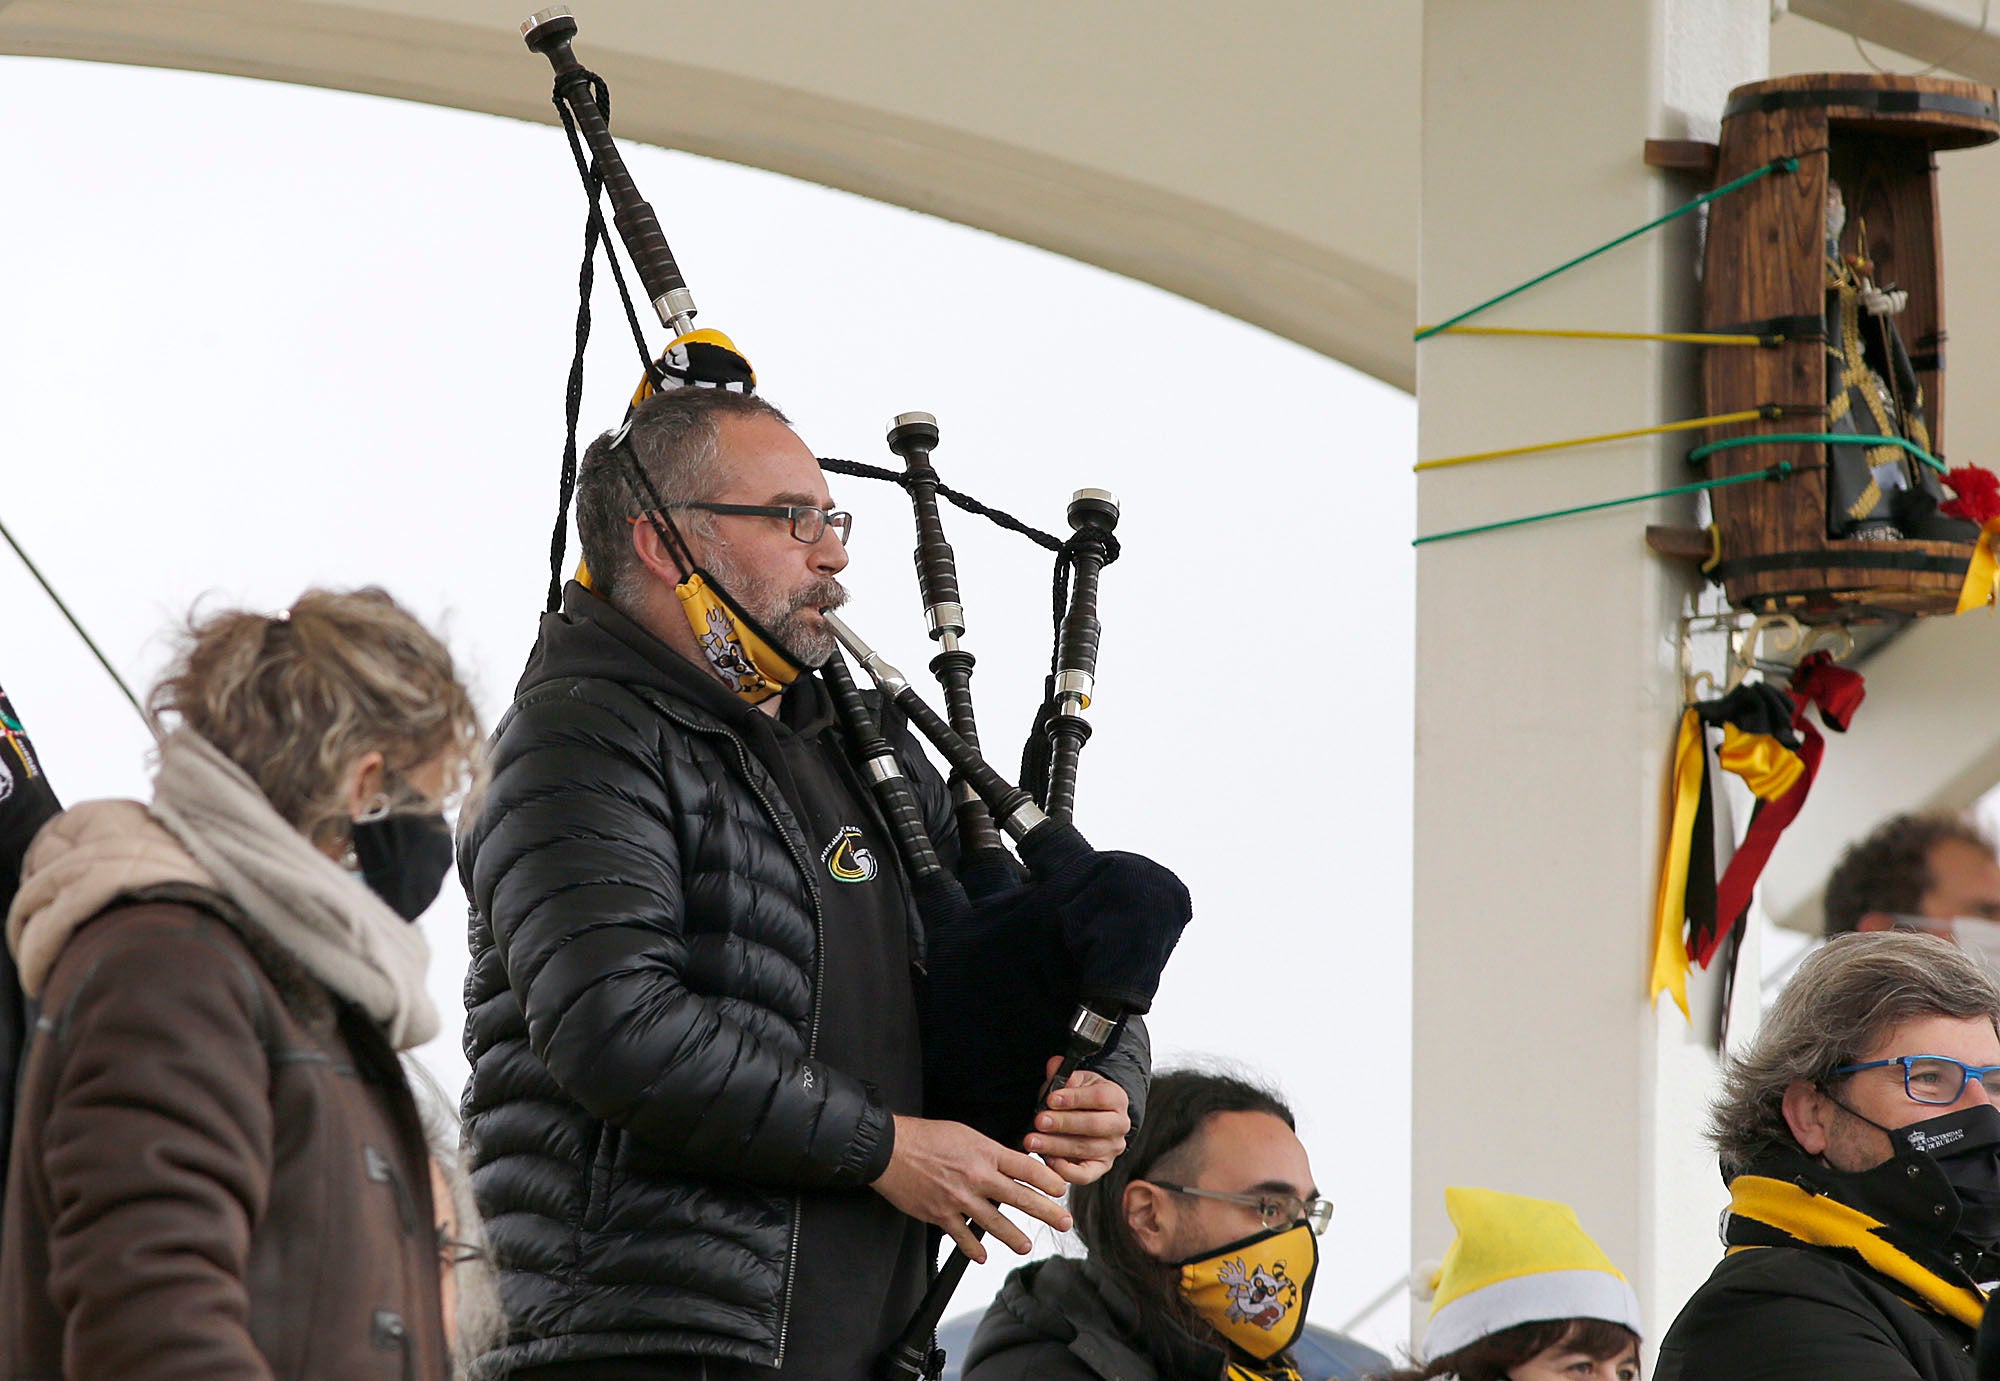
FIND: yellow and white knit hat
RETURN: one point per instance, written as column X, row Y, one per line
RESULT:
column 1518, row 1260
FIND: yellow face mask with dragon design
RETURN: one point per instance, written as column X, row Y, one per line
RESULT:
column 1254, row 1292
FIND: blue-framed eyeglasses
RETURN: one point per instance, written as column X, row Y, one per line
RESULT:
column 1936, row 1079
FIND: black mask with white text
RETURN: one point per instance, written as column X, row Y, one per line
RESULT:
column 1965, row 1147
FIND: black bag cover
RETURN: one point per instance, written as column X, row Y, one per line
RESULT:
column 1011, row 960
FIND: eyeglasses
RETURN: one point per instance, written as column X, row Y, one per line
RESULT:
column 1936, row 1079
column 808, row 524
column 1274, row 1210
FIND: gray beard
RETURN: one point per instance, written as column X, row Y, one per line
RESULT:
column 783, row 615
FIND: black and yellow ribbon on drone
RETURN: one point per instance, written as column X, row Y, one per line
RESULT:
column 702, row 359
column 697, row 359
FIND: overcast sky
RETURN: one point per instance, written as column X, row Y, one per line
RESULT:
column 258, row 338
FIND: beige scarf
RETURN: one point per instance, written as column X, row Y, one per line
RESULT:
column 223, row 834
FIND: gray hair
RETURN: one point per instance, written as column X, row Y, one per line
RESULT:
column 673, row 435
column 1842, row 1002
column 297, row 700
column 478, row 1324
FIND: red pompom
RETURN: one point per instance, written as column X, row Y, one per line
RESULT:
column 1975, row 494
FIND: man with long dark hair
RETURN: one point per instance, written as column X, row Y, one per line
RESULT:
column 1203, row 1243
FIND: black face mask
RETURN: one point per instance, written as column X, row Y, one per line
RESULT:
column 403, row 859
column 1965, row 1147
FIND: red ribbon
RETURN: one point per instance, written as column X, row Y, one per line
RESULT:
column 1836, row 693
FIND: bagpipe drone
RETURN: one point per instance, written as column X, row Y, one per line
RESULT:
column 1022, row 966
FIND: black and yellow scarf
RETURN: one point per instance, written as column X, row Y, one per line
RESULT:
column 1766, row 1212
column 1267, row 1371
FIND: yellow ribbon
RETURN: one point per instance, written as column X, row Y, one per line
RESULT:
column 1823, row 1222
column 1768, row 767
column 1670, row 955
column 1981, row 572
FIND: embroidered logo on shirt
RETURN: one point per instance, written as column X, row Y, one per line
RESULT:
column 846, row 860
column 16, row 738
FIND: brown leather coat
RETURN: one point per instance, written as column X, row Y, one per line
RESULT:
column 218, row 1169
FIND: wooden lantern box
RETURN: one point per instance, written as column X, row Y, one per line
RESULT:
column 1765, row 273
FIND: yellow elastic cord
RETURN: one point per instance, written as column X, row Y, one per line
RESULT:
column 1670, row 956
column 1981, row 572
column 1692, row 424
column 1766, row 766
column 1678, row 337
column 1824, row 1222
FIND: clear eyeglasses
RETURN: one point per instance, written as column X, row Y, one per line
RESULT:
column 1273, row 1210
column 808, row 524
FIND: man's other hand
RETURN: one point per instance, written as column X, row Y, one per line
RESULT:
column 946, row 1173
column 1085, row 1127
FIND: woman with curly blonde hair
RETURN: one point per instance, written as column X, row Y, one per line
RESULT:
column 218, row 1167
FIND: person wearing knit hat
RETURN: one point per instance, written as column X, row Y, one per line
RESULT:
column 1524, row 1294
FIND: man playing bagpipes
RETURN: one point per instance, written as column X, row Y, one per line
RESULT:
column 698, row 1090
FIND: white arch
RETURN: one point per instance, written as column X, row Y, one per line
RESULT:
column 1259, row 159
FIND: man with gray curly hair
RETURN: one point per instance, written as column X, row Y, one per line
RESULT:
column 1861, row 1144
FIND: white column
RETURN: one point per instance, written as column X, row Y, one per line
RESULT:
column 1547, row 690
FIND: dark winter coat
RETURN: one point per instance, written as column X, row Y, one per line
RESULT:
column 1060, row 1320
column 645, row 1105
column 219, row 1171
column 1809, row 1313
column 27, row 802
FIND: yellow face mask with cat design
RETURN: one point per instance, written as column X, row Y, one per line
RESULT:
column 1254, row 1292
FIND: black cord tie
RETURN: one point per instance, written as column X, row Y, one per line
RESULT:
column 593, row 233
column 964, row 501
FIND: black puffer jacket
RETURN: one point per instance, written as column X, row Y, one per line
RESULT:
column 1778, row 1311
column 644, row 1105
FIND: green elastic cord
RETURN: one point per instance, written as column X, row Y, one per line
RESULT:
column 1837, row 439
column 1777, row 165
column 1778, row 471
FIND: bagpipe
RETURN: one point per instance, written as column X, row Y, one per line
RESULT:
column 1023, row 962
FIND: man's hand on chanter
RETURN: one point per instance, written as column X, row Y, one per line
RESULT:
column 1085, row 1126
column 945, row 1173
